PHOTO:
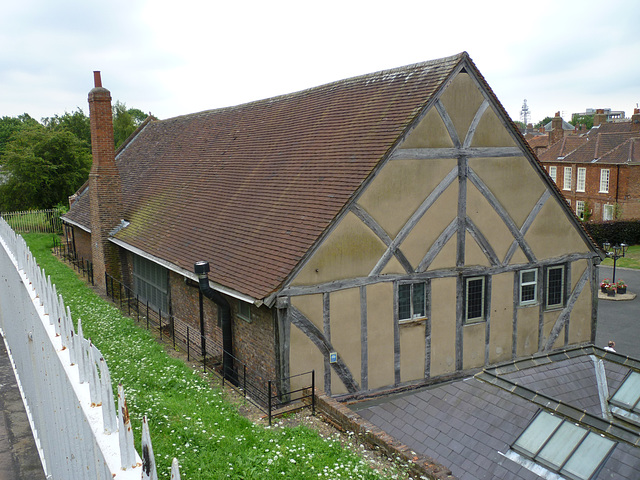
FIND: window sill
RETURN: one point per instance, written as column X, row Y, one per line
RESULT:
column 603, row 191
column 528, row 304
column 412, row 321
column 474, row 321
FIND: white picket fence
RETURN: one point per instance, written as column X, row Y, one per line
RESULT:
column 64, row 380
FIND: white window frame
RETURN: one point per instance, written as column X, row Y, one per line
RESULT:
column 548, row 270
column 553, row 173
column 244, row 311
column 581, row 179
column 483, row 300
column 566, row 185
column 527, row 283
column 580, row 209
column 412, row 314
column 604, row 180
column 608, row 208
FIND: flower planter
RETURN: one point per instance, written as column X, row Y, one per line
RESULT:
column 604, row 289
column 622, row 289
column 611, row 292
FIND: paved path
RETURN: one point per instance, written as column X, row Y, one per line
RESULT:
column 19, row 459
column 620, row 320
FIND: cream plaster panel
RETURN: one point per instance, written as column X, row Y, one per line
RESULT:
column 345, row 332
column 491, row 132
column 429, row 133
column 430, row 226
column 552, row 234
column 462, row 98
column 473, row 255
column 501, row 328
column 447, row 256
column 304, row 356
column 393, row 267
column 580, row 322
column 443, row 326
column 488, row 222
column 528, row 320
column 380, row 335
column 549, row 321
column 412, row 352
column 518, row 257
column 473, row 342
column 513, row 181
column 350, row 251
column 400, row 188
column 577, row 269
column 311, row 306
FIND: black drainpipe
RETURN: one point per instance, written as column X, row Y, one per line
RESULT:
column 201, row 269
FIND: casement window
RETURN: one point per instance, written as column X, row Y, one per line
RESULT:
column 150, row 283
column 529, row 287
column 244, row 310
column 553, row 173
column 563, row 446
column 474, row 299
column 554, row 286
column 607, row 212
column 567, row 178
column 604, row 180
column 580, row 209
column 581, row 179
column 412, row 301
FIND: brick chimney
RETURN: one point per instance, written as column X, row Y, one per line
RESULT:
column 635, row 120
column 556, row 132
column 600, row 117
column 105, row 192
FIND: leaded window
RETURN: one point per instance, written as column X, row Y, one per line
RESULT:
column 475, row 299
column 555, row 286
column 412, row 300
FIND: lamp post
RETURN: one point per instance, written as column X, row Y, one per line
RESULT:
column 615, row 252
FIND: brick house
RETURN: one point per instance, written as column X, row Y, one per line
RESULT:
column 385, row 230
column 599, row 172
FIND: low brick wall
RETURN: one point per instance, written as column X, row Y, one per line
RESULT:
column 347, row 420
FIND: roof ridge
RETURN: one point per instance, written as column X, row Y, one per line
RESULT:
column 457, row 58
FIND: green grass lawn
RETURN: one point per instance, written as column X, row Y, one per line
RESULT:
column 189, row 419
column 630, row 260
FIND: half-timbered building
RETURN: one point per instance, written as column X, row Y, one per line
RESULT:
column 385, row 230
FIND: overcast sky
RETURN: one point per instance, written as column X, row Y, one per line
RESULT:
column 172, row 58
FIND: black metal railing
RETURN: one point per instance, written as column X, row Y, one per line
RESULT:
column 268, row 396
column 80, row 264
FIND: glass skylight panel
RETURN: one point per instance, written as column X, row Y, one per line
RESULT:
column 537, row 433
column 591, row 453
column 563, row 446
column 564, row 441
column 628, row 394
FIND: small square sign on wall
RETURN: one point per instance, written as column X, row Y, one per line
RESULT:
column 333, row 357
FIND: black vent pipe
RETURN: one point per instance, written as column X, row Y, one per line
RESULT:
column 202, row 269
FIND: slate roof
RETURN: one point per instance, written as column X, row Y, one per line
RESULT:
column 469, row 425
column 252, row 188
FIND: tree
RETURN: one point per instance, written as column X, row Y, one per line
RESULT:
column 10, row 125
column 41, row 168
column 125, row 121
column 586, row 120
column 542, row 122
column 521, row 126
column 76, row 122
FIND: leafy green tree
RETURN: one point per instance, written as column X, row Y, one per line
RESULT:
column 41, row 167
column 125, row 121
column 542, row 122
column 76, row 122
column 10, row 125
column 586, row 120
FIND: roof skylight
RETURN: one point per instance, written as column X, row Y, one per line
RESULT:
column 563, row 447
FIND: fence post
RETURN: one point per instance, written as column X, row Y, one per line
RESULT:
column 147, row 314
column 160, row 322
column 244, row 380
column 269, row 399
column 313, row 392
column 188, row 345
column 173, row 332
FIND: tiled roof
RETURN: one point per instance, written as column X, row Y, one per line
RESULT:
column 627, row 152
column 538, row 141
column 611, row 127
column 562, row 148
column 252, row 188
column 469, row 425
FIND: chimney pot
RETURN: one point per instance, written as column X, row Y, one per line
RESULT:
column 96, row 79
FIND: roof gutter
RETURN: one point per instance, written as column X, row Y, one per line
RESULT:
column 75, row 224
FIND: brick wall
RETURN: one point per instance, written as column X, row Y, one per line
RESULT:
column 82, row 241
